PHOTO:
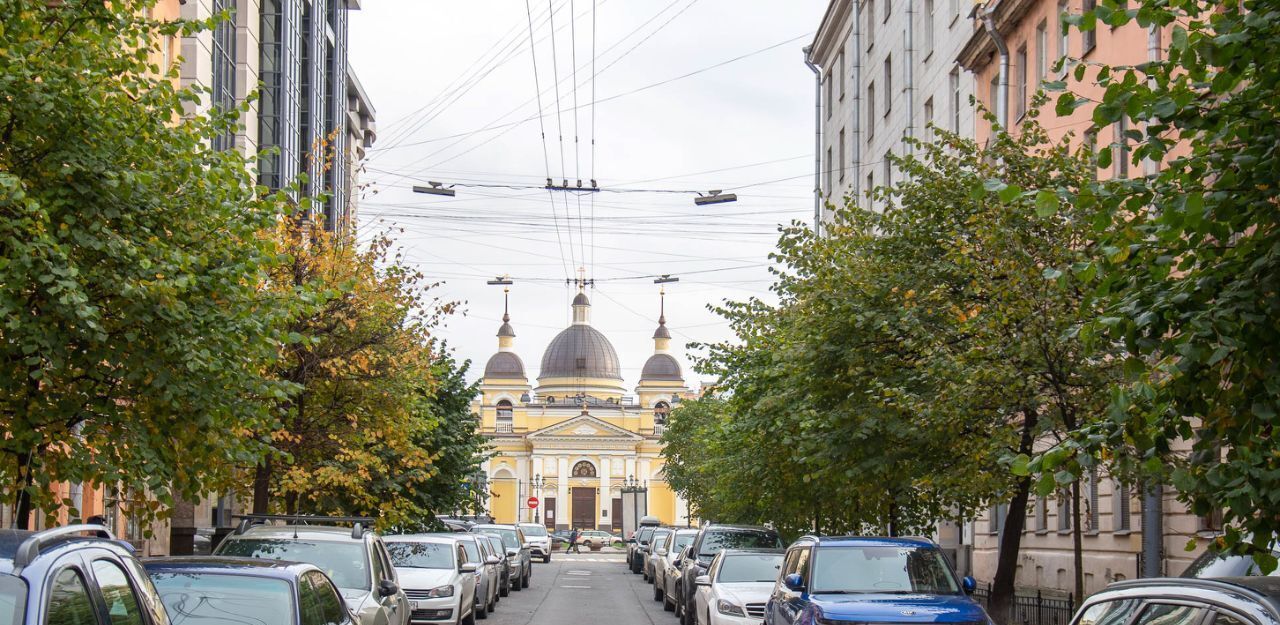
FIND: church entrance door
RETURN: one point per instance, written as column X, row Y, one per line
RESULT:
column 584, row 507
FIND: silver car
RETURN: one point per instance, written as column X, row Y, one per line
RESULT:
column 438, row 580
column 666, row 572
column 651, row 555
column 513, row 541
column 505, row 567
column 478, row 552
column 538, row 540
column 355, row 559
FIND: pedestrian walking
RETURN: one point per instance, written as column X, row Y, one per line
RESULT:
column 574, row 547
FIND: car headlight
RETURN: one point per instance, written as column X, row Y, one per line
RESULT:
column 442, row 591
column 729, row 608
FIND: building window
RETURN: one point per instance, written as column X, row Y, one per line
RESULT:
column 1064, row 511
column 955, row 100
column 888, row 84
column 888, row 169
column 994, row 94
column 830, row 101
column 928, row 120
column 279, row 107
column 1120, row 507
column 840, row 67
column 997, row 516
column 1021, row 94
column 223, row 96
column 584, row 469
column 1091, row 513
column 871, row 183
column 928, row 28
column 1042, row 514
column 1088, row 38
column 888, row 8
column 1064, row 33
column 505, row 413
column 1121, row 148
column 660, row 413
column 842, row 161
column 831, row 187
column 871, row 23
column 871, row 111
column 1042, row 52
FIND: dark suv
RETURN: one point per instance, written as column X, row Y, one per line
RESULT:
column 711, row 539
column 61, row 576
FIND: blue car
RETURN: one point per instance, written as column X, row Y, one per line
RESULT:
column 213, row 590
column 839, row 580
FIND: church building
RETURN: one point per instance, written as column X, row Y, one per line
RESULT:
column 573, row 441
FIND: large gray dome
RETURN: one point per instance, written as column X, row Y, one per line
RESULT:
column 661, row 367
column 504, row 365
column 580, row 351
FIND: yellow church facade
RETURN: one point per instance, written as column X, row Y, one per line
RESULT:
column 570, row 442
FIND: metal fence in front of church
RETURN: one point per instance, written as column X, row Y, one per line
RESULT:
column 1033, row 609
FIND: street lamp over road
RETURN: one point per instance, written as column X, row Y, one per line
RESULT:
column 538, row 483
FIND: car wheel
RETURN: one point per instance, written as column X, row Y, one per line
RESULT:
column 506, row 587
column 546, row 559
column 667, row 604
column 657, row 592
column 524, row 583
column 493, row 603
column 683, row 613
column 470, row 619
column 515, row 584
column 482, row 611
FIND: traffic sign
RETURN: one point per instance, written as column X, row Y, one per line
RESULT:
column 533, row 502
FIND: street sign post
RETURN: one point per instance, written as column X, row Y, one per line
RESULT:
column 532, row 502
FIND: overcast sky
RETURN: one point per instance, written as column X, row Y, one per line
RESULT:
column 440, row 72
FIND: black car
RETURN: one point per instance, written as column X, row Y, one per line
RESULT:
column 210, row 589
column 639, row 551
column 62, row 576
column 711, row 539
column 1180, row 601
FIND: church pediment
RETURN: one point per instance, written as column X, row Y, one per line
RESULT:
column 584, row 427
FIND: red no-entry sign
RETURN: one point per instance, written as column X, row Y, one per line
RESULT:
column 533, row 502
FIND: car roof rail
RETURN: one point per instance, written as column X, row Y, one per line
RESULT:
column 359, row 524
column 29, row 549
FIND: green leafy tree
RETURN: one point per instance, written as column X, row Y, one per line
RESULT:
column 1188, row 260
column 135, row 334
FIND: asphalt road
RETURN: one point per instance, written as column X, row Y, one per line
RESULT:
column 586, row 589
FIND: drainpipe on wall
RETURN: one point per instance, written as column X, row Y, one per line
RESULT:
column 910, row 71
column 817, row 141
column 1153, row 494
column 1002, row 96
column 856, row 31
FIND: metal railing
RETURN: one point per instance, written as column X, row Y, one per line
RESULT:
column 1032, row 609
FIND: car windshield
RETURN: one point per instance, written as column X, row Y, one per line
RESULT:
column 421, row 555
column 645, row 534
column 507, row 536
column 716, row 541
column 218, row 599
column 682, row 541
column 749, row 568
column 473, row 551
column 1217, row 564
column 345, row 563
column 536, row 531
column 13, row 599
column 881, row 569
column 660, row 537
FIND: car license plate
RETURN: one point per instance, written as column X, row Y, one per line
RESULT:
column 413, row 605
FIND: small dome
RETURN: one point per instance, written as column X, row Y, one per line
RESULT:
column 581, row 300
column 662, row 332
column 661, row 367
column 580, row 351
column 506, row 330
column 505, row 365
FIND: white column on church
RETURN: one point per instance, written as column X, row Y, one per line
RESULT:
column 487, row 468
column 562, row 492
column 522, row 489
column 682, row 511
column 606, row 500
column 630, row 469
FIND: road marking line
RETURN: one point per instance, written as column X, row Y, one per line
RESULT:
column 567, row 586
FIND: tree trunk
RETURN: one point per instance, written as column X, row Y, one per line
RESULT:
column 262, row 487
column 1002, row 587
column 893, row 518
column 1077, row 540
column 22, row 503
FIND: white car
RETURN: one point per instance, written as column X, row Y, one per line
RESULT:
column 437, row 578
column 667, row 571
column 488, row 571
column 539, row 542
column 736, row 587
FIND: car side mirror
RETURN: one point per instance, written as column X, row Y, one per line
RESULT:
column 468, row 567
column 969, row 585
column 513, row 552
column 702, row 580
column 492, row 560
column 386, row 588
column 794, row 582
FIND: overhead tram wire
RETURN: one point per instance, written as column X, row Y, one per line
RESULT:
column 555, row 73
column 546, row 158
column 592, row 198
column 577, row 153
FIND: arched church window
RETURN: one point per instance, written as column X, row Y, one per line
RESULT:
column 584, row 469
column 660, row 413
column 504, row 415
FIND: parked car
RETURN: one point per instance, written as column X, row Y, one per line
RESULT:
column 205, row 589
column 505, row 566
column 489, row 575
column 353, row 557
column 667, row 571
column 438, row 577
column 656, row 542
column 1213, row 563
column 869, row 580
column 736, row 587
column 1181, row 601
column 513, row 541
column 539, row 541
column 61, row 576
column 712, row 539
column 596, row 539
column 639, row 550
